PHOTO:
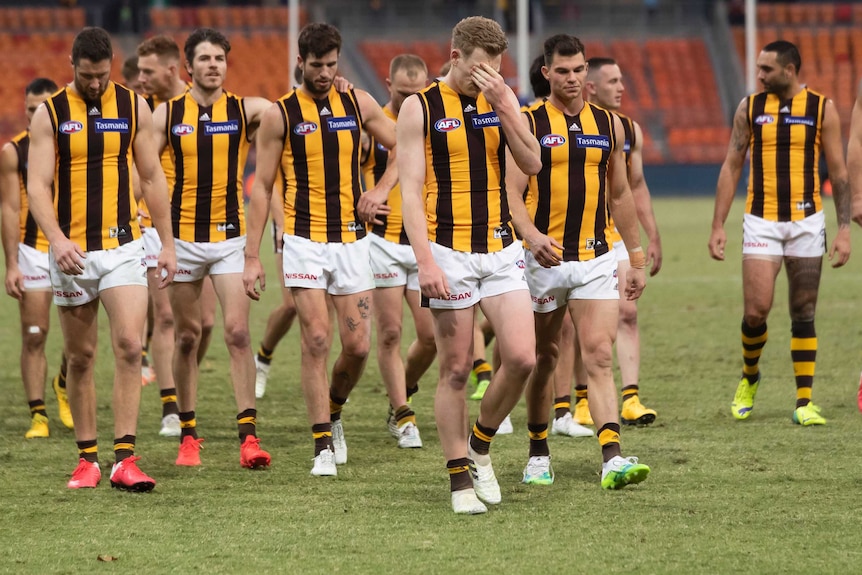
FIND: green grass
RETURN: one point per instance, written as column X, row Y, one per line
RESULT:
column 760, row 496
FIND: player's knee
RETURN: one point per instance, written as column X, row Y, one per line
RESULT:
column 520, row 363
column 164, row 319
column 237, row 336
column 315, row 343
column 455, row 376
column 547, row 356
column 389, row 336
column 628, row 316
column 357, row 349
column 187, row 339
column 34, row 339
column 80, row 359
column 127, row 348
column 598, row 356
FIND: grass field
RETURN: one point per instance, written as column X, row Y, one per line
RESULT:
column 760, row 496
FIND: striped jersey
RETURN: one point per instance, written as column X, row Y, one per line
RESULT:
column 784, row 182
column 320, row 165
column 567, row 198
column 629, row 145
column 465, row 194
column 31, row 235
column 93, row 197
column 373, row 167
column 208, row 147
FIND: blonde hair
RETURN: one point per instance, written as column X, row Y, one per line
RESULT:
column 479, row 32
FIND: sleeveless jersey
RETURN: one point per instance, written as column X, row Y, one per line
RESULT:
column 320, row 166
column 373, row 168
column 629, row 131
column 567, row 198
column 784, row 182
column 167, row 168
column 93, row 196
column 465, row 193
column 31, row 235
column 208, row 147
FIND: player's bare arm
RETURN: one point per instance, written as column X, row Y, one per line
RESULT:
column 10, row 209
column 520, row 140
column 854, row 156
column 622, row 206
column 270, row 138
column 255, row 108
column 643, row 204
column 830, row 137
column 40, row 180
column 154, row 188
column 382, row 128
column 546, row 250
column 411, row 168
column 160, row 133
column 728, row 178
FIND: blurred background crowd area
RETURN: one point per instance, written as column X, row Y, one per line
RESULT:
column 682, row 60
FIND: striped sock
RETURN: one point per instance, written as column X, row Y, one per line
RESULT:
column 803, row 352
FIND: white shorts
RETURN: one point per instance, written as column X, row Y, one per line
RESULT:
column 34, row 268
column 198, row 259
column 339, row 268
column 621, row 251
column 804, row 238
column 152, row 246
column 393, row 264
column 552, row 288
column 473, row 277
column 103, row 269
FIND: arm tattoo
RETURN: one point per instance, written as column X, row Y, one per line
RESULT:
column 843, row 200
column 741, row 133
column 363, row 307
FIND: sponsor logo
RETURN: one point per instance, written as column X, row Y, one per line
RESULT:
column 541, row 300
column 501, row 233
column 469, row 108
column 183, row 272
column 552, row 140
column 71, row 127
column 342, row 123
column 94, row 111
column 521, row 264
column 381, row 147
column 447, row 124
column 799, row 121
column 182, row 129
column 299, row 276
column 627, row 147
column 600, row 142
column 152, row 258
column 755, row 244
column 61, row 293
column 804, row 205
column 574, row 127
column 591, row 243
column 115, row 232
column 615, row 274
column 216, row 128
column 458, row 296
column 489, row 120
column 784, row 110
column 386, row 276
column 764, row 119
column 355, row 226
column 205, row 117
column 35, row 278
column 304, row 128
column 225, row 227
column 325, row 111
column 104, row 125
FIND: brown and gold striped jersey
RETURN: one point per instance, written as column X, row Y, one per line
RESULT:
column 320, row 163
column 373, row 167
column 629, row 145
column 465, row 194
column 784, row 181
column 31, row 235
column 93, row 196
column 567, row 198
column 167, row 168
column 208, row 147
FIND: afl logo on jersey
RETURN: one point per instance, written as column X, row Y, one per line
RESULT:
column 552, row 140
column 71, row 127
column 764, row 119
column 447, row 124
column 305, row 128
column 182, row 130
